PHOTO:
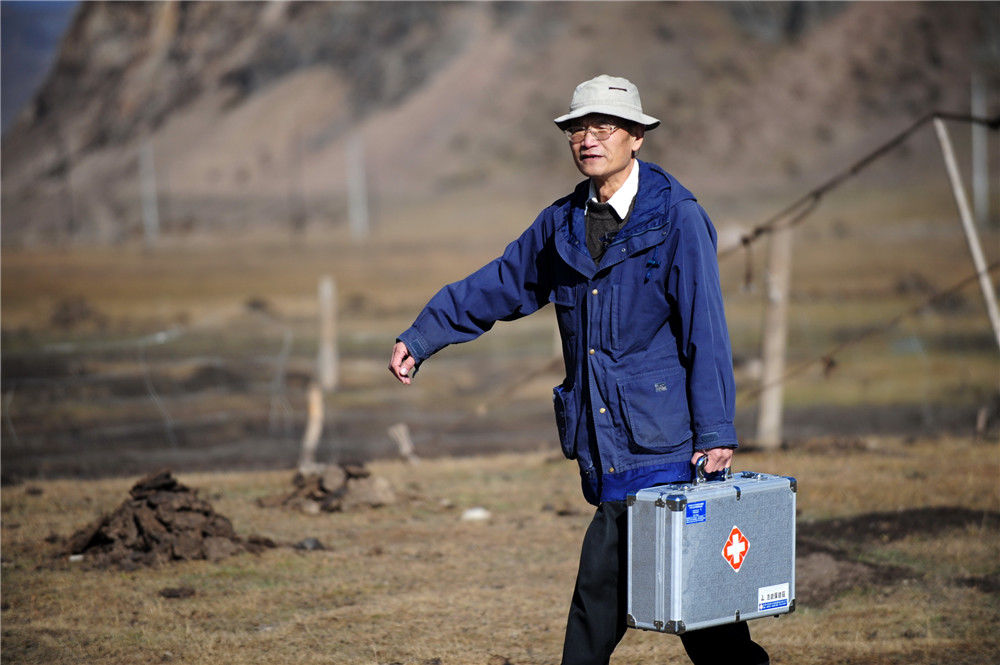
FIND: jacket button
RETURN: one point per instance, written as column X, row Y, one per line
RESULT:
column 594, row 292
column 592, row 352
column 602, row 410
column 611, row 469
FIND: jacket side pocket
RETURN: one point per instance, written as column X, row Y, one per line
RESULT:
column 655, row 406
column 566, row 419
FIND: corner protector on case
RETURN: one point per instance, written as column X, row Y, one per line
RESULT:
column 630, row 500
column 658, row 625
column 676, row 502
column 675, row 627
column 791, row 606
column 793, row 484
column 630, row 621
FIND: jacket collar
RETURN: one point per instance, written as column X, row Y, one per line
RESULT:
column 651, row 217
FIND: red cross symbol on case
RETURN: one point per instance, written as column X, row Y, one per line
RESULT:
column 735, row 549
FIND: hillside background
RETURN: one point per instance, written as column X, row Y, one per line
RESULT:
column 250, row 109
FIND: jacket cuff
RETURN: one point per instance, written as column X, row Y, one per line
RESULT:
column 720, row 436
column 415, row 344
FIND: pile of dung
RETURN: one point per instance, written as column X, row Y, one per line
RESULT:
column 334, row 488
column 161, row 521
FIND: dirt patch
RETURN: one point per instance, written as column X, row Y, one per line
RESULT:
column 823, row 571
column 985, row 583
column 820, row 576
column 162, row 521
column 891, row 526
column 827, row 560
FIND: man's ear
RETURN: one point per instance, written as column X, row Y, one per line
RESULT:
column 637, row 136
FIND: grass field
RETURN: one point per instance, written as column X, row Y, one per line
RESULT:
column 899, row 548
column 899, row 562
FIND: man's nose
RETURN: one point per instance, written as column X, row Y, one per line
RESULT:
column 589, row 140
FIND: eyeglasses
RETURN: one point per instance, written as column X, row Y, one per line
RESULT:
column 601, row 132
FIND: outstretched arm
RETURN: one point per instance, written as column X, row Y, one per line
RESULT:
column 509, row 287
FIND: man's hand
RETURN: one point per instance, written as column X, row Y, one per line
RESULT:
column 402, row 363
column 718, row 458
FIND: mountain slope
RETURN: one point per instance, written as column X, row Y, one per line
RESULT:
column 251, row 109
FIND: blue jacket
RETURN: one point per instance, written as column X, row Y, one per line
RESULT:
column 649, row 375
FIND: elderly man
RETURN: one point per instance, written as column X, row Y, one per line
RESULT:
column 628, row 259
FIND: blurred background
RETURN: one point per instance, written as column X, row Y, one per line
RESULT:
column 179, row 179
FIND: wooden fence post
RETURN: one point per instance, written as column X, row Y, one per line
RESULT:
column 328, row 355
column 971, row 235
column 314, row 427
column 779, row 272
column 400, row 433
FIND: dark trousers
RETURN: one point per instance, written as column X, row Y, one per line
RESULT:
column 597, row 615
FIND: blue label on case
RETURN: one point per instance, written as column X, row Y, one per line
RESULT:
column 772, row 597
column 695, row 513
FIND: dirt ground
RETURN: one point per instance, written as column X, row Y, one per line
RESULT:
column 897, row 563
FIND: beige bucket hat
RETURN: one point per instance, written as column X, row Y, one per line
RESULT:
column 610, row 95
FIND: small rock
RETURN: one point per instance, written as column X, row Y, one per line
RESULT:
column 332, row 503
column 75, row 558
column 333, row 478
column 309, row 545
column 177, row 592
column 257, row 543
column 372, row 491
column 187, row 545
column 477, row 514
column 356, row 470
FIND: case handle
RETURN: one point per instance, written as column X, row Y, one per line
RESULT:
column 699, row 471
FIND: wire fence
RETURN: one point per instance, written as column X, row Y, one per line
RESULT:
column 77, row 398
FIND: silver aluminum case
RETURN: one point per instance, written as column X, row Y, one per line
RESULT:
column 678, row 579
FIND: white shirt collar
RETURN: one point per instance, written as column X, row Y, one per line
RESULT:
column 621, row 200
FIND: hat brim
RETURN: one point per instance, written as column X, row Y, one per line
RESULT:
column 630, row 114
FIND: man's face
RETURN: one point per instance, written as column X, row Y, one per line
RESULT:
column 604, row 159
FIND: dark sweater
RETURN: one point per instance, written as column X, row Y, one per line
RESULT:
column 602, row 227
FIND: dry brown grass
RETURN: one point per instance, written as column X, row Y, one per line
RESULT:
column 412, row 583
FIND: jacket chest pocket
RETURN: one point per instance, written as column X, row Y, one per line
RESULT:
column 638, row 313
column 655, row 409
